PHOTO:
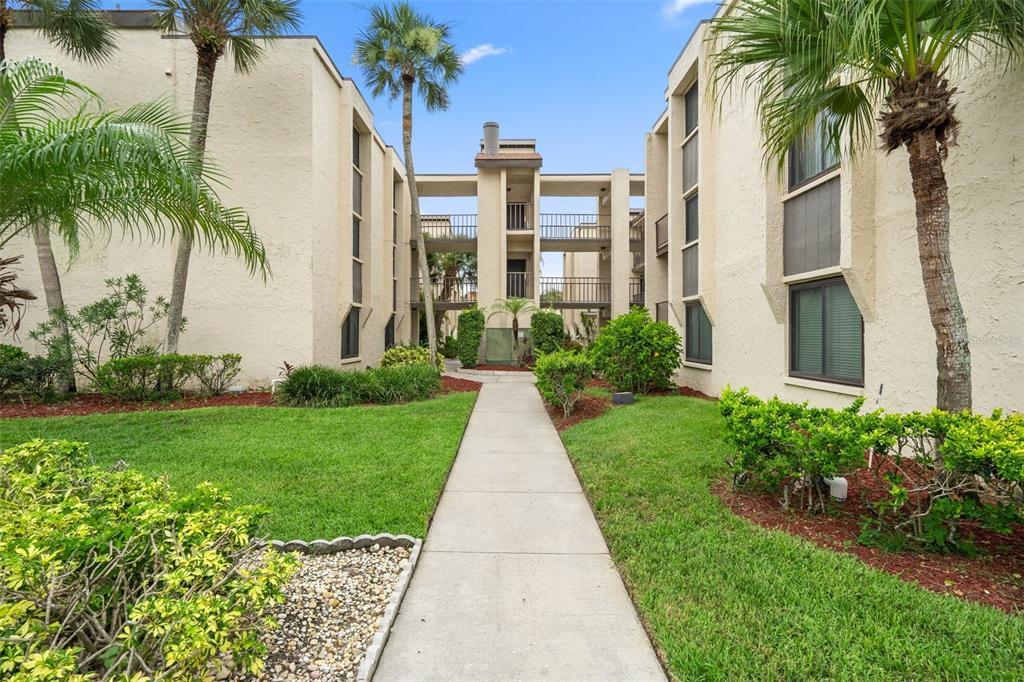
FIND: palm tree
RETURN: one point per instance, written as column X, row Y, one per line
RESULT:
column 82, row 171
column 399, row 50
column 216, row 27
column 12, row 297
column 515, row 307
column 862, row 61
column 78, row 29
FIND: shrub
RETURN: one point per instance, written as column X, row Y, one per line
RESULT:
column 449, row 348
column 561, row 378
column 12, row 363
column 319, row 386
column 405, row 355
column 103, row 573
column 547, row 329
column 27, row 375
column 134, row 378
column 216, row 372
column 471, row 331
column 635, row 353
column 115, row 326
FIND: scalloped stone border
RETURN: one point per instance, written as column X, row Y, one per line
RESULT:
column 342, row 544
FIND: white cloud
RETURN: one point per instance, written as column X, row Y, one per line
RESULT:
column 674, row 8
column 480, row 51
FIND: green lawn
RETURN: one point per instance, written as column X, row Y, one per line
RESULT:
column 725, row 599
column 323, row 472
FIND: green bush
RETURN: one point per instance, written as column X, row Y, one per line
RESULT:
column 319, row 386
column 27, row 375
column 471, row 331
column 405, row 355
column 106, row 573
column 216, row 372
column 938, row 470
column 449, row 348
column 635, row 353
column 547, row 329
column 13, row 361
column 562, row 376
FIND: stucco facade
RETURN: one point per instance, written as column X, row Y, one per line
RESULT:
column 745, row 284
column 282, row 135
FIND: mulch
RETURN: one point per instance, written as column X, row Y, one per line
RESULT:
column 94, row 403
column 994, row 577
column 456, row 385
column 588, row 407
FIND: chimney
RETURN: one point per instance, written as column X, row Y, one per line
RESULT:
column 491, row 138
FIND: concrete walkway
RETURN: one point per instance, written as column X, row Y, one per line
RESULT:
column 515, row 581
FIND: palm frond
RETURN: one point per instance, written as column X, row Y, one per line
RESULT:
column 76, row 27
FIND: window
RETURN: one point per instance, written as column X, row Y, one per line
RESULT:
column 810, row 156
column 690, row 280
column 691, row 109
column 661, row 311
column 357, row 228
column 389, row 333
column 357, row 282
column 350, row 335
column 356, row 139
column 690, row 163
column 826, row 333
column 698, row 334
column 692, row 223
column 357, row 191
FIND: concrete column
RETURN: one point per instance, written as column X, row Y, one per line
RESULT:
column 621, row 262
column 491, row 246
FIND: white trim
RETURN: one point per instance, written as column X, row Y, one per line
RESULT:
column 827, row 386
column 821, row 273
column 808, row 186
column 350, row 361
column 707, row 367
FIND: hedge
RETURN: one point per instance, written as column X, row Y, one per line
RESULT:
column 470, row 331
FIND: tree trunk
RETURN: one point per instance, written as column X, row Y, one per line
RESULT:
column 54, row 295
column 953, row 359
column 5, row 18
column 205, row 68
column 414, row 196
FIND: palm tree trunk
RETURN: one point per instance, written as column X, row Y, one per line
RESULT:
column 205, row 68
column 953, row 359
column 414, row 197
column 54, row 294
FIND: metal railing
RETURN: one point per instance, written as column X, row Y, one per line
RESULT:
column 576, row 290
column 638, row 259
column 448, row 290
column 518, row 285
column 636, row 290
column 449, row 226
column 637, row 221
column 661, row 234
column 518, row 216
column 575, row 226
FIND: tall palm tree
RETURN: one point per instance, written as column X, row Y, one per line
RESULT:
column 78, row 29
column 216, row 27
column 867, row 61
column 398, row 51
column 515, row 307
column 83, row 171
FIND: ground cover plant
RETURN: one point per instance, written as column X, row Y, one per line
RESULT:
column 726, row 599
column 111, row 574
column 322, row 472
column 321, row 386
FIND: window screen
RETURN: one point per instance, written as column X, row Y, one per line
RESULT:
column 698, row 334
column 826, row 333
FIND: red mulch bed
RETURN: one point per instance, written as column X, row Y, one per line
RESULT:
column 694, row 393
column 994, row 577
column 455, row 385
column 588, row 407
column 94, row 403
column 502, row 368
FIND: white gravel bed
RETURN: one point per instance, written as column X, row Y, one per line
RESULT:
column 332, row 609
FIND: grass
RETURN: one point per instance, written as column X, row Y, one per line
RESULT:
column 726, row 599
column 323, row 472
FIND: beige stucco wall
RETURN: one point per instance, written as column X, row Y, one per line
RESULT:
column 745, row 294
column 281, row 134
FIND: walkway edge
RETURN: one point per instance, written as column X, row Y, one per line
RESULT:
column 373, row 653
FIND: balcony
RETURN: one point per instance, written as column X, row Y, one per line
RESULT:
column 450, row 293
column 518, row 285
column 518, row 216
column 636, row 291
column 638, row 261
column 575, row 292
column 661, row 235
column 449, row 232
column 637, row 222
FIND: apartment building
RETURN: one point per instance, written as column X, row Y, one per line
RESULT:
column 511, row 229
column 807, row 284
column 296, row 140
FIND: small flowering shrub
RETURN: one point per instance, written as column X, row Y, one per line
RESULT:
column 110, row 575
column 635, row 353
column 405, row 355
column 562, row 376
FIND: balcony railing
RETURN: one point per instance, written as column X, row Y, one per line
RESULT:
column 575, row 226
column 449, row 226
column 518, row 285
column 638, row 260
column 594, row 291
column 661, row 234
column 519, row 216
column 636, row 290
column 637, row 221
column 448, row 290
